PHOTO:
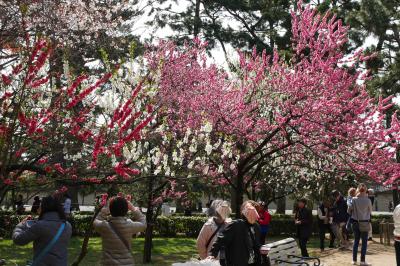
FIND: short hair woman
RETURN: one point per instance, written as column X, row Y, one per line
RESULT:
column 220, row 211
column 117, row 231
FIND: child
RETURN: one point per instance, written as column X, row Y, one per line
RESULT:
column 350, row 195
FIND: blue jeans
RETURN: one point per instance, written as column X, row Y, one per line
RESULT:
column 364, row 241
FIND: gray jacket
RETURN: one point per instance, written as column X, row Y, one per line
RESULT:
column 114, row 251
column 360, row 208
column 41, row 232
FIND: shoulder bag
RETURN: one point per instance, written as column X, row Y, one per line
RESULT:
column 363, row 225
column 222, row 251
column 212, row 236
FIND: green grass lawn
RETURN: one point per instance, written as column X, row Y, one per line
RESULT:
column 165, row 251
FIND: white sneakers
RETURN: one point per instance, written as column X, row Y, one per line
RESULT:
column 354, row 263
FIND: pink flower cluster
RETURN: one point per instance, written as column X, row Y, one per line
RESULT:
column 47, row 114
column 124, row 171
column 311, row 106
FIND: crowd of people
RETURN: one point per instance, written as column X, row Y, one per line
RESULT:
column 240, row 240
column 232, row 242
column 340, row 218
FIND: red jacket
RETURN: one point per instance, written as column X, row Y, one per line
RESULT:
column 265, row 218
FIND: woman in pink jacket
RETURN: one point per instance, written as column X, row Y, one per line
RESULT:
column 219, row 212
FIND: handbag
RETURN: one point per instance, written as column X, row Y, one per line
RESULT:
column 49, row 246
column 363, row 225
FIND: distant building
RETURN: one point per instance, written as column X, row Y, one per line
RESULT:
column 383, row 197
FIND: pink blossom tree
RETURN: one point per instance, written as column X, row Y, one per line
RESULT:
column 314, row 107
column 77, row 29
column 37, row 119
column 163, row 155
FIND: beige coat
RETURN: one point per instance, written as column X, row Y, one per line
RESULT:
column 396, row 218
column 206, row 232
column 114, row 251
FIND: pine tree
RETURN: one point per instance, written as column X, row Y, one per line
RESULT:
column 243, row 24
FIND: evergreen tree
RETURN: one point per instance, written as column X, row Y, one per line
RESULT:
column 243, row 24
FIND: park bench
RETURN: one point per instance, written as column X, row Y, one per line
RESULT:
column 285, row 252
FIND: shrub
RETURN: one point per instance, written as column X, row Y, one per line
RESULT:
column 175, row 226
column 80, row 224
column 165, row 226
column 8, row 223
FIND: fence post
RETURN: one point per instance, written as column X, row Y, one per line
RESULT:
column 381, row 231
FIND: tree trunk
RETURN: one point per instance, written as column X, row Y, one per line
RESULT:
column 73, row 192
column 233, row 198
column 3, row 194
column 197, row 20
column 148, row 237
column 238, row 195
column 85, row 243
column 88, row 233
column 148, row 240
column 395, row 196
column 13, row 199
column 179, row 206
column 281, row 205
column 271, row 39
column 395, row 190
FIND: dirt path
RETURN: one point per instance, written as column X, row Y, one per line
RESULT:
column 377, row 255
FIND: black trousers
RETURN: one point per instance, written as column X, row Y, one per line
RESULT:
column 303, row 246
column 397, row 248
column 263, row 236
column 323, row 229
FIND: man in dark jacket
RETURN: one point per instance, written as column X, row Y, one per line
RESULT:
column 303, row 221
column 240, row 240
column 323, row 224
column 340, row 217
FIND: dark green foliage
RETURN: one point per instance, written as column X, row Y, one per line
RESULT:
column 380, row 20
column 180, row 226
column 244, row 24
